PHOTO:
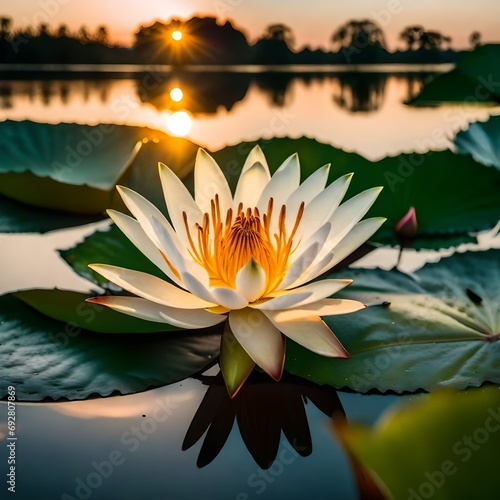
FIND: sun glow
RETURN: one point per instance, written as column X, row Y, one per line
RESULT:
column 177, row 35
column 176, row 94
column 179, row 123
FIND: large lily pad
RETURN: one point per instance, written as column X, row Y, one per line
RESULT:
column 45, row 358
column 481, row 141
column 65, row 166
column 16, row 217
column 452, row 194
column 476, row 79
column 70, row 307
column 75, row 168
column 441, row 446
column 442, row 329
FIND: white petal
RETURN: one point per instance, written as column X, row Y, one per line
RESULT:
column 144, row 211
column 229, row 298
column 284, row 301
column 320, row 209
column 256, row 155
column 181, row 260
column 324, row 307
column 312, row 333
column 151, row 311
column 282, row 184
column 250, row 186
column 305, row 255
column 349, row 214
column 150, row 287
column 361, row 232
column 304, row 294
column 196, row 287
column 208, row 182
column 134, row 232
column 260, row 339
column 179, row 200
column 251, row 281
column 305, row 193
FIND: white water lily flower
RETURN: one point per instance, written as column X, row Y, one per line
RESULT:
column 244, row 259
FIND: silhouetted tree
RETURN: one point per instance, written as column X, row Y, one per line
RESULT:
column 280, row 32
column 417, row 38
column 411, row 36
column 358, row 34
column 83, row 35
column 475, row 39
column 203, row 41
column 62, row 31
column 102, row 35
column 434, row 40
column 5, row 24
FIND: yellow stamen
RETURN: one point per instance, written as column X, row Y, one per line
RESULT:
column 224, row 248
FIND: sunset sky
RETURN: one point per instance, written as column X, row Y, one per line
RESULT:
column 312, row 21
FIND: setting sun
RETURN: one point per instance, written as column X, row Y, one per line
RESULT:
column 176, row 94
column 177, row 35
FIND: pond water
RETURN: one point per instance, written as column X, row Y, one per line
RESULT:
column 131, row 447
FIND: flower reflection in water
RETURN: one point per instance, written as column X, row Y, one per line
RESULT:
column 263, row 409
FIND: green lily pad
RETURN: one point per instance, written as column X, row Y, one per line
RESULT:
column 481, row 141
column 16, row 217
column 475, row 80
column 440, row 446
column 65, row 166
column 44, row 358
column 447, row 206
column 70, row 307
column 75, row 168
column 442, row 329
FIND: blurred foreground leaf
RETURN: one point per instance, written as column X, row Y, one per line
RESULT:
column 440, row 446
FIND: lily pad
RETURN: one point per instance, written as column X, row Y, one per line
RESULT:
column 475, row 80
column 70, row 307
column 440, row 446
column 481, row 141
column 16, row 217
column 44, row 358
column 75, row 168
column 447, row 206
column 65, row 166
column 442, row 329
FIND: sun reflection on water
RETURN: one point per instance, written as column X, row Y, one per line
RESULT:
column 179, row 123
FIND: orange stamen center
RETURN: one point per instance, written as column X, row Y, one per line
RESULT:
column 223, row 248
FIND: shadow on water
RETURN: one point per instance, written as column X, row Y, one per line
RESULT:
column 262, row 409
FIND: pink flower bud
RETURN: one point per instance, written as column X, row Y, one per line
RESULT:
column 407, row 226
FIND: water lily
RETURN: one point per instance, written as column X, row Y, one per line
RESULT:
column 244, row 259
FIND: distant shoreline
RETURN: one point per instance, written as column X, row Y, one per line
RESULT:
column 141, row 69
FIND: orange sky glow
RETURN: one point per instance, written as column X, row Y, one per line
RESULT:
column 312, row 22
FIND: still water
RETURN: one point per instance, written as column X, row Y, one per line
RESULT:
column 131, row 447
column 358, row 112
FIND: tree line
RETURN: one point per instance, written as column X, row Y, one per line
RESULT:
column 205, row 41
